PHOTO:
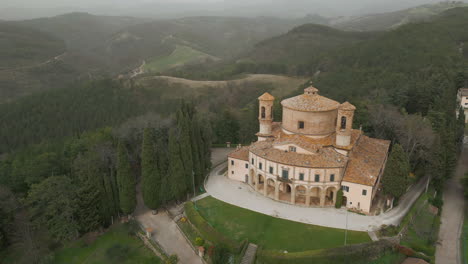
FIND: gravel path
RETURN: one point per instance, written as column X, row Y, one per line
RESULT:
column 448, row 248
column 242, row 195
column 169, row 237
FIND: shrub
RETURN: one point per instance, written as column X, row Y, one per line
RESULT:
column 339, row 199
column 199, row 241
column 221, row 255
column 173, row 259
column 437, row 201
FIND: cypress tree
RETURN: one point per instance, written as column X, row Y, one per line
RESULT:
column 395, row 178
column 185, row 144
column 177, row 180
column 151, row 178
column 126, row 181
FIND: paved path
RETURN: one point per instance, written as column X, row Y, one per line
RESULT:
column 448, row 248
column 165, row 232
column 242, row 195
column 169, row 237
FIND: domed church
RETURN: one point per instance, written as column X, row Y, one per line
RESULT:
column 314, row 152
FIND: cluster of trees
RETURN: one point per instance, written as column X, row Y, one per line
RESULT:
column 175, row 161
column 84, row 183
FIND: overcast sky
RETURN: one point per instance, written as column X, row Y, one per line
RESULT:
column 170, row 8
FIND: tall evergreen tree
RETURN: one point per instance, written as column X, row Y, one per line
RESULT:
column 185, row 143
column 395, row 178
column 177, row 180
column 126, row 181
column 151, row 177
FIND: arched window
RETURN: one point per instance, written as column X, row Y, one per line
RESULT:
column 343, row 122
column 271, row 112
column 263, row 112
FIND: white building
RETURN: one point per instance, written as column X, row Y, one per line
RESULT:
column 462, row 97
column 306, row 158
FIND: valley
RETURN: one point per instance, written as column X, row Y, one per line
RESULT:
column 99, row 111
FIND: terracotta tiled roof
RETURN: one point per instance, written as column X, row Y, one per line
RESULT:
column 464, row 91
column 311, row 143
column 324, row 158
column 366, row 160
column 347, row 106
column 310, row 102
column 267, row 97
column 242, row 154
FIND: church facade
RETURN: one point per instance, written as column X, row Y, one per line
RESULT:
column 312, row 154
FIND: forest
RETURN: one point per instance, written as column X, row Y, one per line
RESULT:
column 70, row 159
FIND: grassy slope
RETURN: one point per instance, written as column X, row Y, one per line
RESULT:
column 180, row 56
column 115, row 246
column 272, row 233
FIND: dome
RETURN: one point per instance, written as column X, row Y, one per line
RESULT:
column 310, row 101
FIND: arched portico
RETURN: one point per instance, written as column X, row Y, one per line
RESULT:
column 330, row 196
column 271, row 187
column 315, row 193
column 301, row 195
column 260, row 183
column 284, row 192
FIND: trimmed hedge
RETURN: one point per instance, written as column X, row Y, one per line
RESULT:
column 356, row 254
column 339, row 199
column 208, row 232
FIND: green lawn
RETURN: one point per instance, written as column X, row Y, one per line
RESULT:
column 464, row 238
column 115, row 246
column 181, row 55
column 272, row 233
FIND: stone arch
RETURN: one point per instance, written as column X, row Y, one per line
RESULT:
column 315, row 194
column 271, row 187
column 301, row 194
column 330, row 195
column 284, row 192
column 260, row 181
column 263, row 112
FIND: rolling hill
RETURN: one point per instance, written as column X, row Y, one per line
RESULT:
column 303, row 43
column 391, row 20
column 22, row 46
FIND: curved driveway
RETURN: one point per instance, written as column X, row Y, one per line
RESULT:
column 242, row 195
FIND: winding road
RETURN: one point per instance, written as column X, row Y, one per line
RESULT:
column 448, row 246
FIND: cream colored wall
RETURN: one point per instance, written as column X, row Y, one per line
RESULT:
column 237, row 171
column 294, row 172
column 355, row 199
column 315, row 123
column 464, row 101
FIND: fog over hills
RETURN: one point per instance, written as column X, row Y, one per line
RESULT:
column 26, row 9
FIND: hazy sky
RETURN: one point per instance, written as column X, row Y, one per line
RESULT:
column 169, row 8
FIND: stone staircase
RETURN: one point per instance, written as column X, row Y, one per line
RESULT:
column 249, row 256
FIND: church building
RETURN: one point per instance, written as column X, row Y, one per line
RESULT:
column 314, row 152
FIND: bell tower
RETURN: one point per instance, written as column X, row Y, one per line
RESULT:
column 265, row 116
column 344, row 124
